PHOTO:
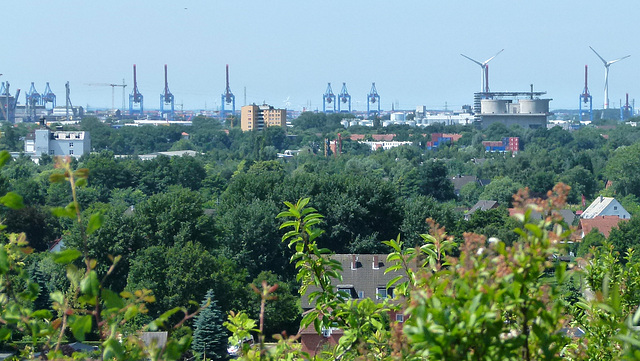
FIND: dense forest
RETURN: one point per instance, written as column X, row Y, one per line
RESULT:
column 190, row 226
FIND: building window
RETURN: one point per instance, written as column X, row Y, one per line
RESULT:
column 399, row 317
column 51, row 152
column 70, row 144
column 70, row 151
column 383, row 292
column 615, row 208
column 345, row 290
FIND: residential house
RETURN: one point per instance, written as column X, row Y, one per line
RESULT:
column 604, row 224
column 481, row 206
column 567, row 215
column 460, row 181
column 45, row 141
column 605, row 206
column 363, row 276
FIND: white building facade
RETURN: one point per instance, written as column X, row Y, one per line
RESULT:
column 45, row 141
column 605, row 206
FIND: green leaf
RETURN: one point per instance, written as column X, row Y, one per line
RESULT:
column 57, row 297
column 394, row 280
column 95, row 222
column 69, row 211
column 4, row 157
column 66, row 256
column 5, row 334
column 56, row 178
column 43, row 314
column 112, row 350
column 165, row 316
column 4, row 261
column 12, row 200
column 131, row 312
column 630, row 340
column 308, row 319
column 90, row 284
column 111, row 299
column 80, row 326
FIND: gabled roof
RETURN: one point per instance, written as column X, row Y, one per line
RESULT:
column 383, row 137
column 362, row 275
column 567, row 215
column 56, row 245
column 596, row 207
column 483, row 206
column 462, row 180
column 604, row 224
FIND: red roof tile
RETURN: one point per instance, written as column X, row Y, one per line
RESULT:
column 383, row 137
column 604, row 224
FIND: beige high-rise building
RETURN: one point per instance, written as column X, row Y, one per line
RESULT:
column 260, row 116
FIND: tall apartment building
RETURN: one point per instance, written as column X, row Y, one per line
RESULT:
column 257, row 117
column 46, row 141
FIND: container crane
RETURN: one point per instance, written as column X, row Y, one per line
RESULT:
column 227, row 99
column 372, row 98
column 8, row 102
column 328, row 98
column 113, row 92
column 626, row 111
column 585, row 97
column 33, row 99
column 135, row 98
column 166, row 98
column 68, row 102
column 345, row 98
column 48, row 97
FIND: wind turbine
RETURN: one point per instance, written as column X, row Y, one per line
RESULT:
column 287, row 102
column 606, row 75
column 484, row 85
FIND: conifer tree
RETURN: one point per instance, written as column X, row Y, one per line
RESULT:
column 210, row 336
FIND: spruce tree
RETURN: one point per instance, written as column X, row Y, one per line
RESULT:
column 210, row 336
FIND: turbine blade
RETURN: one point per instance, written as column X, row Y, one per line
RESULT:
column 617, row 60
column 491, row 58
column 475, row 61
column 601, row 58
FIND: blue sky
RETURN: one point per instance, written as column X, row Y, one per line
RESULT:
column 281, row 49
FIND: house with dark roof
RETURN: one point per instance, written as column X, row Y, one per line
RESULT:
column 460, row 181
column 567, row 215
column 481, row 206
column 363, row 276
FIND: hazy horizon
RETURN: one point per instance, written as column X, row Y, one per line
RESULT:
column 291, row 49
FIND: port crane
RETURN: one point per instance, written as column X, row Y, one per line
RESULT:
column 113, row 91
